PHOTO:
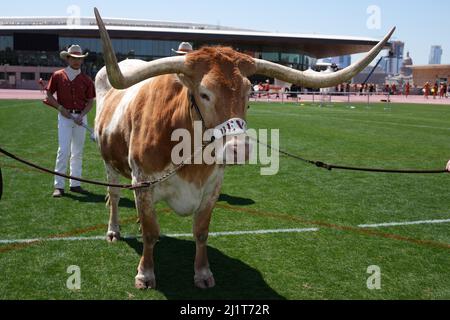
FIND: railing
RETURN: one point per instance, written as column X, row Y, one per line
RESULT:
column 321, row 97
column 325, row 97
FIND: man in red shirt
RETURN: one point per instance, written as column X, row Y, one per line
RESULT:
column 442, row 91
column 394, row 89
column 426, row 90
column 407, row 89
column 75, row 98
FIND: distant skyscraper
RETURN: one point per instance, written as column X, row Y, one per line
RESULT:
column 435, row 55
column 342, row 61
column 394, row 63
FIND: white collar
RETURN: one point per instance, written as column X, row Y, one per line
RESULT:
column 72, row 73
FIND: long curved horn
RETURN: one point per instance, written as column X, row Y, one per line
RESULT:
column 316, row 79
column 123, row 80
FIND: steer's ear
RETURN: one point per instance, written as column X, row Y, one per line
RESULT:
column 247, row 65
column 187, row 81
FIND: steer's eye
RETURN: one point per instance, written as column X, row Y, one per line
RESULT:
column 204, row 97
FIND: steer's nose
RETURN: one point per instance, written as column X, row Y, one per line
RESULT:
column 237, row 150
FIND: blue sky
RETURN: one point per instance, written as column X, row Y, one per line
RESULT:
column 419, row 24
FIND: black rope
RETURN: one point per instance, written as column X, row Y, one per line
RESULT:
column 197, row 109
column 10, row 155
column 140, row 185
column 318, row 164
column 331, row 167
column 290, row 155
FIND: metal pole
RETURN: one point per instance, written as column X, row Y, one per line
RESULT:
column 373, row 70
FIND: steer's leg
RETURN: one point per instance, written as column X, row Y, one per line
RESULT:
column 150, row 234
column 113, row 199
column 204, row 278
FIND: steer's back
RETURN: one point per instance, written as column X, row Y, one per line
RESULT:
column 113, row 122
column 136, row 123
column 103, row 86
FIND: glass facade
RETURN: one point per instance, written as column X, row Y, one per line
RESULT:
column 27, row 54
column 6, row 42
column 125, row 48
column 27, row 76
column 293, row 60
column 270, row 56
column 290, row 58
column 7, row 55
column 145, row 49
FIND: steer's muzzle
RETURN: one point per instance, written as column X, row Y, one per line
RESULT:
column 233, row 145
column 236, row 151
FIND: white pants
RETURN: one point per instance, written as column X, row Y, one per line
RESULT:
column 71, row 138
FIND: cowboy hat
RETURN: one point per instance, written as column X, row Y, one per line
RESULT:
column 74, row 51
column 183, row 48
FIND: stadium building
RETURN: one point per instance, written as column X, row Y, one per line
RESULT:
column 437, row 73
column 29, row 47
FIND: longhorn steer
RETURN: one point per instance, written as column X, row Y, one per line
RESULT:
column 141, row 103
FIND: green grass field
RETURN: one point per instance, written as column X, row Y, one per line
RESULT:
column 328, row 264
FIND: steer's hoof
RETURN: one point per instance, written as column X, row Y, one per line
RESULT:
column 112, row 236
column 204, row 280
column 143, row 283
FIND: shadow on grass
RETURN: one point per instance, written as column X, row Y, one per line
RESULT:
column 90, row 197
column 235, row 201
column 174, row 268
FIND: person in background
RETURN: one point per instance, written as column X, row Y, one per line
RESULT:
column 435, row 90
column 442, row 91
column 394, row 89
column 75, row 98
column 42, row 85
column 426, row 90
column 267, row 87
column 407, row 89
column 387, row 89
column 183, row 49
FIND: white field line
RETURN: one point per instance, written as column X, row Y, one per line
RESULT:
column 396, row 224
column 222, row 234
column 176, row 235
